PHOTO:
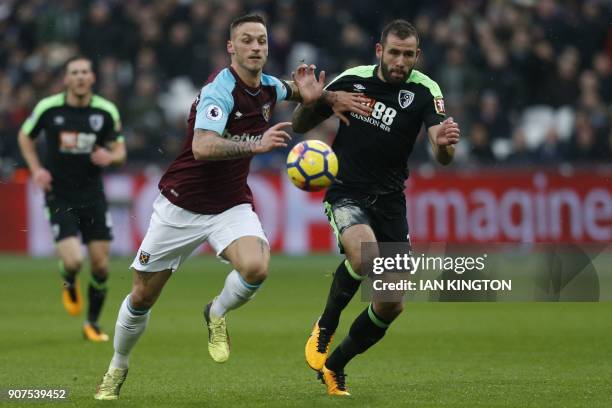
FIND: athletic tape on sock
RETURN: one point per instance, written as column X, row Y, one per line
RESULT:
column 351, row 272
column 375, row 319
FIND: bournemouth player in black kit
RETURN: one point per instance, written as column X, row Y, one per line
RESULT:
column 83, row 135
column 367, row 203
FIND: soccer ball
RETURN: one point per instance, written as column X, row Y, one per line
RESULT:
column 312, row 165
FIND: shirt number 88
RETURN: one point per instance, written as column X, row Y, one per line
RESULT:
column 384, row 113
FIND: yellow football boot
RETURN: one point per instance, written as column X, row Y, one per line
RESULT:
column 111, row 384
column 92, row 332
column 317, row 347
column 335, row 382
column 218, row 337
column 71, row 298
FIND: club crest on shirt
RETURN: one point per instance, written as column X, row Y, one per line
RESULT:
column 143, row 257
column 405, row 98
column 96, row 121
column 266, row 112
column 439, row 104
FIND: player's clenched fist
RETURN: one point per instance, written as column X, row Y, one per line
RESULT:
column 42, row 178
column 273, row 138
column 449, row 133
column 101, row 157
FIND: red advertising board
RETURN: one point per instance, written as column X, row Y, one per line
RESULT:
column 463, row 207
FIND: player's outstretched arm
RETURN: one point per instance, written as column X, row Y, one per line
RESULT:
column 443, row 138
column 309, row 91
column 41, row 176
column 209, row 145
column 307, row 117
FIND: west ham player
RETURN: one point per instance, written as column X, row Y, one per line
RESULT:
column 367, row 203
column 83, row 134
column 204, row 195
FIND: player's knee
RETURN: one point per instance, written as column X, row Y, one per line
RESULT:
column 73, row 263
column 353, row 255
column 141, row 299
column 100, row 272
column 389, row 310
column 254, row 270
column 99, row 266
column 354, row 261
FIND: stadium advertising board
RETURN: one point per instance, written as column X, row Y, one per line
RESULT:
column 460, row 207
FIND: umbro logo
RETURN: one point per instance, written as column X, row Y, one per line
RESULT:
column 238, row 115
column 59, row 120
column 359, row 87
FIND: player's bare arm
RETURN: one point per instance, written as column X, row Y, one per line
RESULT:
column 443, row 138
column 41, row 176
column 114, row 155
column 209, row 145
column 306, row 118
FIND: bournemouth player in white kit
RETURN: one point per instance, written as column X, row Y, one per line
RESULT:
column 204, row 195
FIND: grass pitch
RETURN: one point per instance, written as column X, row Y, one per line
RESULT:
column 435, row 354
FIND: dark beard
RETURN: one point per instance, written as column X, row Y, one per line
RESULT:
column 384, row 69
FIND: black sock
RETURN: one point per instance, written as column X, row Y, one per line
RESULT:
column 68, row 275
column 69, row 280
column 97, row 294
column 367, row 330
column 342, row 290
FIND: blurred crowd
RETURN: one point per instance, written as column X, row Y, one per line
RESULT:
column 530, row 81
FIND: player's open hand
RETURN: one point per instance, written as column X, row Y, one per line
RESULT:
column 449, row 133
column 101, row 157
column 273, row 138
column 341, row 101
column 42, row 178
column 310, row 88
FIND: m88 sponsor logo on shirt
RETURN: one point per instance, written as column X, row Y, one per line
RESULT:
column 76, row 142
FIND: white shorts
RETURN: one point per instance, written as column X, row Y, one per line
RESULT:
column 174, row 233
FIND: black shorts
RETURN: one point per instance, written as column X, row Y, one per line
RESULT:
column 69, row 217
column 384, row 213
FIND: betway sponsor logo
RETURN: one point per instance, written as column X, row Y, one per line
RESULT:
column 535, row 213
column 245, row 137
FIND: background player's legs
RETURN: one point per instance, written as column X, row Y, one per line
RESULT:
column 134, row 313
column 98, row 254
column 71, row 256
column 367, row 329
column 69, row 250
column 250, row 256
column 347, row 277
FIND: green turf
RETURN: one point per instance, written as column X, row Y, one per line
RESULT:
column 435, row 355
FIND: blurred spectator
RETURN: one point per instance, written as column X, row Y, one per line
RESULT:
column 560, row 87
column 99, row 37
column 480, row 147
column 176, row 52
column 550, row 152
column 144, row 119
column 583, row 146
column 601, row 66
column 492, row 117
column 520, row 155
